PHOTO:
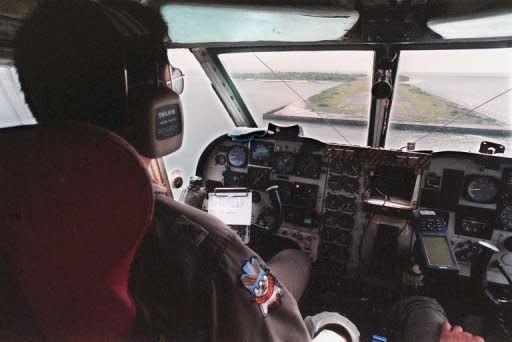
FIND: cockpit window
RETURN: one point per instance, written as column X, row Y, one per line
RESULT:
column 203, row 23
column 326, row 92
column 485, row 24
column 205, row 117
column 452, row 100
column 13, row 109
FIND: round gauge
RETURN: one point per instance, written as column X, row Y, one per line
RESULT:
column 237, row 156
column 220, row 159
column 337, row 166
column 350, row 185
column 351, row 170
column 235, row 179
column 259, row 178
column 261, row 153
column 482, row 189
column 335, row 183
column 331, row 219
column 284, row 162
column 332, row 202
column 339, row 220
column 348, row 204
column 505, row 217
column 309, row 167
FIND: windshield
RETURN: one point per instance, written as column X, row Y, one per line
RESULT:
column 452, row 100
column 326, row 92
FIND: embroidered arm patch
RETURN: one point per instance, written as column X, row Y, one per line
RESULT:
column 264, row 288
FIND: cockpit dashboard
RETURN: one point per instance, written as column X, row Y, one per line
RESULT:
column 351, row 205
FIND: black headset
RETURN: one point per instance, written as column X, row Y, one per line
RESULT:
column 153, row 114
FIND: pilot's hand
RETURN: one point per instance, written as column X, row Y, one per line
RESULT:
column 456, row 334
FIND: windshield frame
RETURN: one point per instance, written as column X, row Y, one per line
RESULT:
column 373, row 47
column 453, row 44
column 374, row 134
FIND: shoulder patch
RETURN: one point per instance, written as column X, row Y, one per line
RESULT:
column 264, row 288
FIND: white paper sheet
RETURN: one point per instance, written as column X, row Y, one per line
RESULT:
column 233, row 208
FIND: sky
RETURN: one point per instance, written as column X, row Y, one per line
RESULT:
column 453, row 61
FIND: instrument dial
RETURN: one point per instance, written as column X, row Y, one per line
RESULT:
column 261, row 153
column 332, row 202
column 505, row 217
column 331, row 219
column 335, row 183
column 309, row 167
column 259, row 178
column 339, row 220
column 482, row 189
column 350, row 185
column 220, row 159
column 237, row 156
column 235, row 179
column 337, row 166
column 284, row 162
column 351, row 170
column 348, row 204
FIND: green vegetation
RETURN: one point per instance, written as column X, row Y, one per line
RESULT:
column 403, row 78
column 413, row 104
column 298, row 76
column 349, row 98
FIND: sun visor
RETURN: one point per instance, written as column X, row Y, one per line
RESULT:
column 158, row 116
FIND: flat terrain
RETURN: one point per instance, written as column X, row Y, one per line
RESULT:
column 412, row 104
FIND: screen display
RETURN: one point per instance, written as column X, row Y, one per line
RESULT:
column 395, row 181
column 438, row 251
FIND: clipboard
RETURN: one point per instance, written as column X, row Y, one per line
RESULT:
column 233, row 206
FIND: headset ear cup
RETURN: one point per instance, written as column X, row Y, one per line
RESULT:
column 156, row 119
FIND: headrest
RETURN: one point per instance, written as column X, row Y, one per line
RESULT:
column 75, row 203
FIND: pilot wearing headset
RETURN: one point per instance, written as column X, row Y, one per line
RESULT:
column 192, row 279
column 105, row 63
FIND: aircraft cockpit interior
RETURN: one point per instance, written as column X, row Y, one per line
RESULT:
column 375, row 136
column 378, row 223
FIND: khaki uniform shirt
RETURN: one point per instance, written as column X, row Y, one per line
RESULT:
column 194, row 280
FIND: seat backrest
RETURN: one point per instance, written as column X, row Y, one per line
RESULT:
column 75, row 201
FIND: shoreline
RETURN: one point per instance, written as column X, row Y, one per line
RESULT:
column 479, row 130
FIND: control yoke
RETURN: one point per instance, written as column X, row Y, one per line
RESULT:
column 277, row 210
column 481, row 264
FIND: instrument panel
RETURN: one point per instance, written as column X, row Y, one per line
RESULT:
column 330, row 193
column 325, row 190
column 475, row 192
column 297, row 166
